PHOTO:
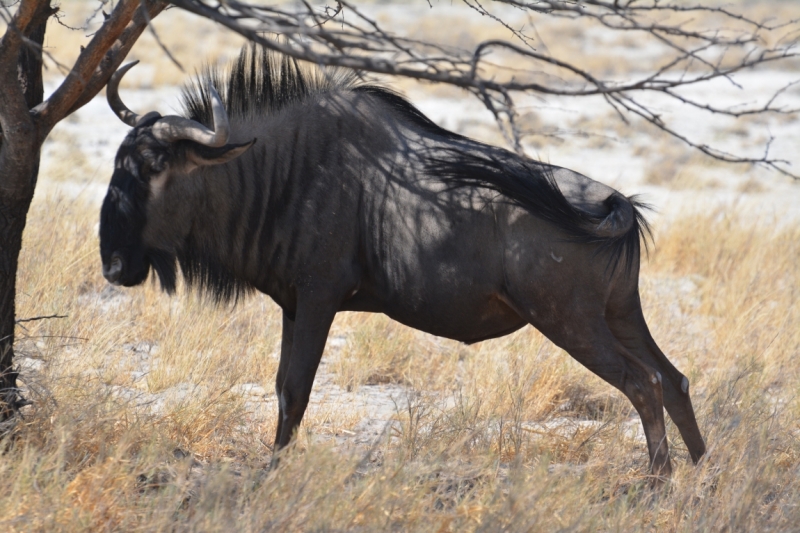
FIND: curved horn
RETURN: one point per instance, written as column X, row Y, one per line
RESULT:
column 173, row 128
column 112, row 95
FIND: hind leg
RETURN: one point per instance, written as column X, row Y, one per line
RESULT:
column 630, row 328
column 596, row 348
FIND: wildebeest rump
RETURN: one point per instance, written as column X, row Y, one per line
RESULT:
column 329, row 195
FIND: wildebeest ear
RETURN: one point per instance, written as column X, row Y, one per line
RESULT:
column 203, row 155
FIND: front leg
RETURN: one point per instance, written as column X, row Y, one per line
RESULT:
column 287, row 336
column 313, row 319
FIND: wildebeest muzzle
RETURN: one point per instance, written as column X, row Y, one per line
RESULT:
column 112, row 270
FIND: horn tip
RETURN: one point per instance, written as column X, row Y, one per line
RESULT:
column 126, row 67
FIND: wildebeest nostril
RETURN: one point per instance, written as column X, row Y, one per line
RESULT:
column 113, row 271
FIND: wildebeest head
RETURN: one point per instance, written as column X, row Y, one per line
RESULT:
column 157, row 151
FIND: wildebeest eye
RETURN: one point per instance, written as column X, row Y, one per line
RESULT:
column 153, row 163
column 158, row 166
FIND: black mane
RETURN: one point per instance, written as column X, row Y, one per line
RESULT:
column 260, row 82
column 257, row 83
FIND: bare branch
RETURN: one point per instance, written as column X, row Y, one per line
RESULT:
column 153, row 32
column 19, row 22
column 97, row 62
column 118, row 51
column 696, row 55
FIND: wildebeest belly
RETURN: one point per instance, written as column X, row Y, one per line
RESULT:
column 439, row 272
column 467, row 318
column 467, row 322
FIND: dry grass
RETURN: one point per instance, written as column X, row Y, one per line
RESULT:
column 139, row 422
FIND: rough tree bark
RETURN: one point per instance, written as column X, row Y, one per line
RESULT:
column 17, row 184
column 25, row 121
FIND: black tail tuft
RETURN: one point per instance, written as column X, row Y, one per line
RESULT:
column 626, row 246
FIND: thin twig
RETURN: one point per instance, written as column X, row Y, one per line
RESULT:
column 35, row 318
column 157, row 39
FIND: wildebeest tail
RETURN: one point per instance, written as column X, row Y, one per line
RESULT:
column 533, row 186
column 624, row 229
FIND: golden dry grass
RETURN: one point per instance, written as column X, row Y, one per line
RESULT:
column 509, row 434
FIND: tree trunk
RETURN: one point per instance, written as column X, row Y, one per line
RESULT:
column 14, row 205
column 13, row 212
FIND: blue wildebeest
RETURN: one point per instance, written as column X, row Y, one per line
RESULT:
column 329, row 195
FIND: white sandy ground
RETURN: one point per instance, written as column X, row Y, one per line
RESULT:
column 582, row 134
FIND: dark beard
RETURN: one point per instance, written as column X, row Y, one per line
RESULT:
column 165, row 266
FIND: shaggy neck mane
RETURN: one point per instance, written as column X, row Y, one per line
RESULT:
column 259, row 83
column 256, row 84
